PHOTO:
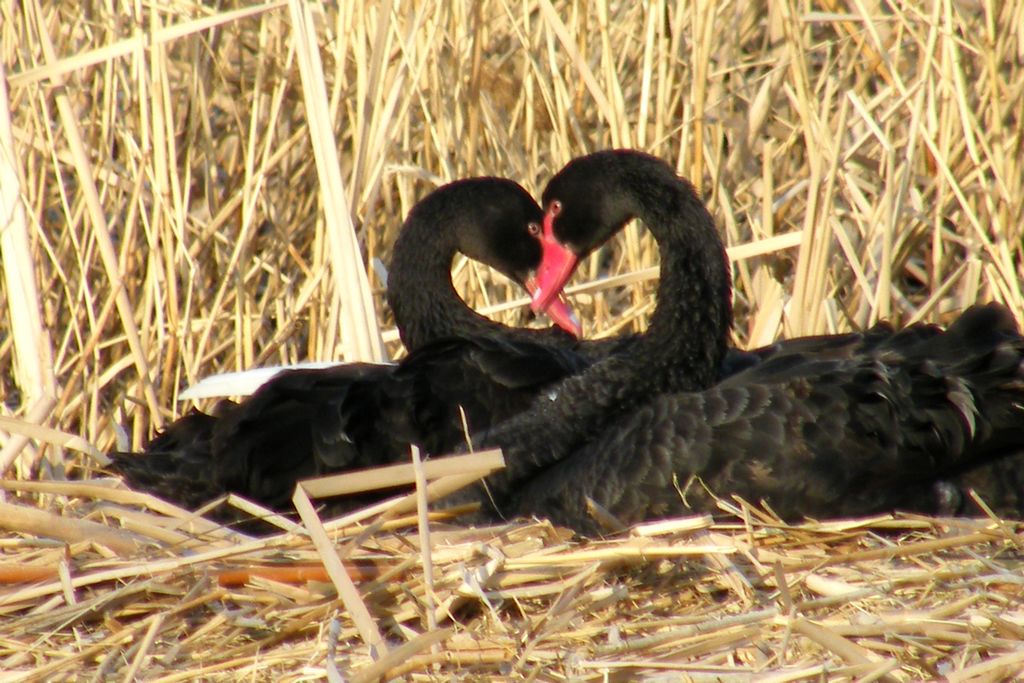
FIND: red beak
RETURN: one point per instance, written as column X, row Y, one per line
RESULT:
column 556, row 267
column 559, row 311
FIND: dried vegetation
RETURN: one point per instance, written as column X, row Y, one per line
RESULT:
column 173, row 207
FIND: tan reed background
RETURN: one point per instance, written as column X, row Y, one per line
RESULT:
column 173, row 207
column 170, row 147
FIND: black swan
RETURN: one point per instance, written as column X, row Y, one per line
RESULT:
column 307, row 422
column 825, row 426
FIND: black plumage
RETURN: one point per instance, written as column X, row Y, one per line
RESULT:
column 307, row 422
column 844, row 425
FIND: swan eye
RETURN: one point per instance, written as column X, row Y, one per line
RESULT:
column 533, row 229
column 555, row 207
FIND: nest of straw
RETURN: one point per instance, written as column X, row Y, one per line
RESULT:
column 136, row 588
column 189, row 190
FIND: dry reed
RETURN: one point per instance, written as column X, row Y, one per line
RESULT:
column 163, row 171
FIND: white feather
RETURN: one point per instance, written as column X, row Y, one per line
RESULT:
column 246, row 382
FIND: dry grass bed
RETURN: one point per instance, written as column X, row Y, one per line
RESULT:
column 888, row 598
column 188, row 189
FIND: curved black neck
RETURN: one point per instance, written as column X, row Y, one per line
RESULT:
column 687, row 338
column 689, row 330
column 420, row 290
column 423, row 298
